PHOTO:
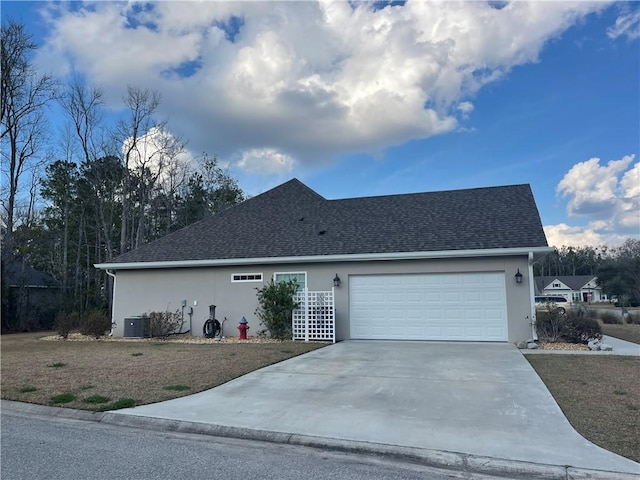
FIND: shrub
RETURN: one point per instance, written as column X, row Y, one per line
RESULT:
column 573, row 327
column 65, row 323
column 549, row 324
column 95, row 324
column 275, row 306
column 163, row 324
column 582, row 309
column 633, row 318
column 576, row 329
column 610, row 318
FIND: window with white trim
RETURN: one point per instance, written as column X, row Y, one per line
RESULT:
column 299, row 277
column 246, row 277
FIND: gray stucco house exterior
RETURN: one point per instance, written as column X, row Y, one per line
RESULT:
column 424, row 266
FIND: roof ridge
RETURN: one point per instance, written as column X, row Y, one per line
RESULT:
column 455, row 190
column 294, row 182
column 292, row 220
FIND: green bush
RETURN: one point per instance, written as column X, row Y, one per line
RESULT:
column 577, row 329
column 275, row 306
column 95, row 324
column 65, row 323
column 610, row 318
column 163, row 324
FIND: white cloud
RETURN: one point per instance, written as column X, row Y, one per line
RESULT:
column 608, row 197
column 627, row 25
column 265, row 161
column 162, row 154
column 565, row 235
column 630, row 182
column 465, row 108
column 312, row 79
column 592, row 188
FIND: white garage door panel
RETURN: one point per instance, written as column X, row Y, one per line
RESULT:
column 452, row 306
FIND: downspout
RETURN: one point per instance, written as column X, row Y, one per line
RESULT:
column 113, row 300
column 534, row 333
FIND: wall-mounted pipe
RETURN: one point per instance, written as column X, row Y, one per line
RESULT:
column 532, row 294
column 113, row 301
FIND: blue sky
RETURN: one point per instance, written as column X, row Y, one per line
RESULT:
column 360, row 99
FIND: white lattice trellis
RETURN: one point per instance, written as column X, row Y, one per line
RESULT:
column 315, row 317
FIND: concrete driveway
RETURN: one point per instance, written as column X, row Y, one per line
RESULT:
column 474, row 398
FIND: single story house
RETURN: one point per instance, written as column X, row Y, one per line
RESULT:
column 448, row 265
column 33, row 297
column 575, row 288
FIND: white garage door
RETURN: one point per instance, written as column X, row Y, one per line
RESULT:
column 451, row 306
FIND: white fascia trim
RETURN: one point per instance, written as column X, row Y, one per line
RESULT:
column 364, row 257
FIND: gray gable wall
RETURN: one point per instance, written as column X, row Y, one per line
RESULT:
column 292, row 220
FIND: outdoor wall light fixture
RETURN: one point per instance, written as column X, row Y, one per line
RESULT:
column 518, row 277
column 336, row 281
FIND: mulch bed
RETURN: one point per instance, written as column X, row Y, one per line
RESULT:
column 77, row 337
column 561, row 346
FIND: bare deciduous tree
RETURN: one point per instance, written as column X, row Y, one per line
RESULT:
column 24, row 96
column 83, row 106
column 142, row 105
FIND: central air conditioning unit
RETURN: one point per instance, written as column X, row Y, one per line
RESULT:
column 136, row 327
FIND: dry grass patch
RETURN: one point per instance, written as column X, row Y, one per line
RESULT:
column 630, row 333
column 138, row 371
column 600, row 395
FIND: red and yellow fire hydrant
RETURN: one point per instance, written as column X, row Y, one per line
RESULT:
column 243, row 327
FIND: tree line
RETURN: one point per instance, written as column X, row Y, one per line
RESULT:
column 617, row 268
column 88, row 190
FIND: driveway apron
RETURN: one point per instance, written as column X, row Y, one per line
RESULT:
column 475, row 398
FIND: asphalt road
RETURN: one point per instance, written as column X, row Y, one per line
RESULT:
column 34, row 447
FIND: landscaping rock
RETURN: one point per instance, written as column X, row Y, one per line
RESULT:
column 521, row 345
column 605, row 347
column 594, row 344
column 532, row 346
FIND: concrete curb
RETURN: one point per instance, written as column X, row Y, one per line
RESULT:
column 461, row 462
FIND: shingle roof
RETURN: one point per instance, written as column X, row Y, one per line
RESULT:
column 292, row 220
column 574, row 282
column 17, row 274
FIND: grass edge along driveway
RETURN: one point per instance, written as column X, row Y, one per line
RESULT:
column 600, row 395
column 104, row 375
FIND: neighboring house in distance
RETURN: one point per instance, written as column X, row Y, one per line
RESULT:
column 423, row 266
column 575, row 288
column 34, row 297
